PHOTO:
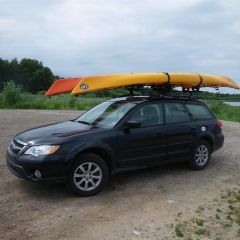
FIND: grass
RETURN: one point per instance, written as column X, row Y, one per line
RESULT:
column 202, row 231
column 199, row 222
column 179, row 231
column 60, row 102
column 200, row 209
column 226, row 219
column 69, row 102
column 225, row 112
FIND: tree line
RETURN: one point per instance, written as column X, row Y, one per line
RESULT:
column 29, row 74
column 143, row 92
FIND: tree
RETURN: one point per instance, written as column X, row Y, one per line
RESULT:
column 41, row 80
column 30, row 74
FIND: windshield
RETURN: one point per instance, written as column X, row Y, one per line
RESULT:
column 106, row 114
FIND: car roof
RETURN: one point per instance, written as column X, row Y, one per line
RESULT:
column 154, row 98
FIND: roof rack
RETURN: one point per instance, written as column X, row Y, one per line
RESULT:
column 194, row 90
column 133, row 88
column 161, row 90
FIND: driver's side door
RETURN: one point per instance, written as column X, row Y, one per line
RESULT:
column 144, row 145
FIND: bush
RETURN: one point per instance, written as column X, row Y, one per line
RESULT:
column 41, row 93
column 11, row 94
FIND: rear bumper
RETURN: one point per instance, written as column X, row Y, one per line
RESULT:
column 219, row 141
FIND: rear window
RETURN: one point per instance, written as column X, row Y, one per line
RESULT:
column 199, row 112
column 175, row 113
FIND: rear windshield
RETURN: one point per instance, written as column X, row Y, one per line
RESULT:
column 200, row 112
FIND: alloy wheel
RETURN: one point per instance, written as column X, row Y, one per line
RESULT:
column 87, row 176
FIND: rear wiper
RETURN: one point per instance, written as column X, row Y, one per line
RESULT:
column 84, row 122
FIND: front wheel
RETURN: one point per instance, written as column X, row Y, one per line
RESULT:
column 88, row 175
column 200, row 155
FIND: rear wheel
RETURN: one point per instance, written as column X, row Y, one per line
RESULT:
column 88, row 175
column 200, row 156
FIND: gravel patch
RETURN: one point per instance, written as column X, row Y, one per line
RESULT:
column 144, row 204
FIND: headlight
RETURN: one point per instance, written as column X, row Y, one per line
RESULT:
column 41, row 150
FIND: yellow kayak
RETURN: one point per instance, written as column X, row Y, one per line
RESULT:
column 101, row 82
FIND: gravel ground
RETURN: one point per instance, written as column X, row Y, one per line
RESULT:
column 154, row 203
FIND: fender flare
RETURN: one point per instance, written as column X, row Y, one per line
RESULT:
column 208, row 137
column 86, row 147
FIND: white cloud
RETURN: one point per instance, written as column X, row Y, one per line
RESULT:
column 76, row 38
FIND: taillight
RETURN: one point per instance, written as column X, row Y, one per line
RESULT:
column 219, row 123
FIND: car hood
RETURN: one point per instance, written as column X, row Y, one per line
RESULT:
column 58, row 132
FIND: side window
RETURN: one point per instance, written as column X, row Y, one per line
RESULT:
column 175, row 113
column 149, row 115
column 199, row 112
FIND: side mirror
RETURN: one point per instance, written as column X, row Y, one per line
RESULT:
column 133, row 124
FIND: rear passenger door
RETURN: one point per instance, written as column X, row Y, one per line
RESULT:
column 181, row 131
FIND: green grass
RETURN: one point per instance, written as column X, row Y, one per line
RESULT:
column 199, row 222
column 225, row 112
column 60, row 102
column 179, row 231
column 69, row 102
column 226, row 219
column 202, row 231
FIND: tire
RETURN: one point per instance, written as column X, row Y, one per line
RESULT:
column 88, row 175
column 200, row 156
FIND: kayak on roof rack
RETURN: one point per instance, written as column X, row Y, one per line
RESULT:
column 168, row 81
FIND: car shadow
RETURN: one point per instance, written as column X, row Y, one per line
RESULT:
column 134, row 178
column 117, row 182
column 41, row 190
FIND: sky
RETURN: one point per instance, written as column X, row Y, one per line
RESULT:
column 80, row 38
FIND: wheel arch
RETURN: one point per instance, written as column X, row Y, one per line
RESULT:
column 102, row 153
column 210, row 142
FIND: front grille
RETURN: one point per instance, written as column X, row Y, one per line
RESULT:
column 16, row 146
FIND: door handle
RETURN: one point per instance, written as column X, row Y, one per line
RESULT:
column 193, row 128
column 159, row 133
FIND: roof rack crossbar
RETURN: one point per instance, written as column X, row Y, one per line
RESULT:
column 162, row 89
column 133, row 88
column 194, row 90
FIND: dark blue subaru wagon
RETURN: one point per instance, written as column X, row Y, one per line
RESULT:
column 117, row 135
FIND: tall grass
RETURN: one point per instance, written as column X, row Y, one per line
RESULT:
column 60, row 102
column 225, row 112
column 69, row 102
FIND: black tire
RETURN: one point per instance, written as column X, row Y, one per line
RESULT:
column 88, row 175
column 200, row 156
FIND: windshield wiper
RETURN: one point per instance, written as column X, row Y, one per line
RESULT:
column 84, row 122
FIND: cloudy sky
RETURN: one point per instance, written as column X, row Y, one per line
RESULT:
column 79, row 38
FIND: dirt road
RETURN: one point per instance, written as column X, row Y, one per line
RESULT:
column 134, row 205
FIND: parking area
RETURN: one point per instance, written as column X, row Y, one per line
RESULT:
column 143, row 204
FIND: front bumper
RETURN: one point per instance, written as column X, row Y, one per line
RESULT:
column 52, row 170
